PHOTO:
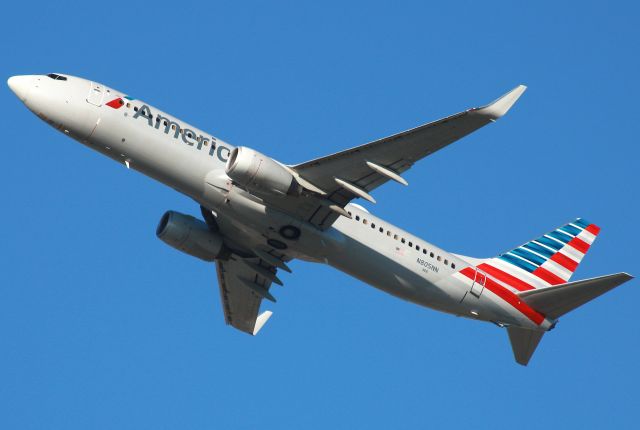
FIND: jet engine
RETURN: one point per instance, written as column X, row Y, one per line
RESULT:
column 259, row 173
column 191, row 236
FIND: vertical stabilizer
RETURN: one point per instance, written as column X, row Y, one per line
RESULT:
column 524, row 343
column 548, row 260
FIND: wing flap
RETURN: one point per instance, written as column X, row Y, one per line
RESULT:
column 242, row 289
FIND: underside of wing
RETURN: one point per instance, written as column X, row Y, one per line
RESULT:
column 243, row 284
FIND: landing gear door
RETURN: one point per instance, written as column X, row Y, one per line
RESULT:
column 96, row 94
column 478, row 283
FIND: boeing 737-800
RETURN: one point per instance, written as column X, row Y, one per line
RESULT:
column 258, row 213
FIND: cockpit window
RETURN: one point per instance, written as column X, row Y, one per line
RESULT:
column 57, row 77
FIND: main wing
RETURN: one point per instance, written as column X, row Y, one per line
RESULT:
column 355, row 172
column 243, row 284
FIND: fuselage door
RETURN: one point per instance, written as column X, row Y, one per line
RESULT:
column 478, row 284
column 96, row 94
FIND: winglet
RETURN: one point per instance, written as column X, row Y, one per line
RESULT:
column 501, row 106
column 261, row 321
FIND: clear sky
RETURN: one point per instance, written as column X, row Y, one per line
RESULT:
column 102, row 326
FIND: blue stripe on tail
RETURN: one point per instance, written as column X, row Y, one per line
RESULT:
column 536, row 259
column 582, row 222
column 574, row 231
column 557, row 234
column 539, row 249
column 550, row 242
column 518, row 262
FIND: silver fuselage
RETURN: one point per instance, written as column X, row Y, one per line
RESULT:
column 193, row 162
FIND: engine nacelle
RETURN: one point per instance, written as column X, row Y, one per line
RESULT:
column 259, row 173
column 191, row 236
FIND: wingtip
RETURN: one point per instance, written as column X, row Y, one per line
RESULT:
column 628, row 276
column 261, row 321
column 621, row 276
column 501, row 106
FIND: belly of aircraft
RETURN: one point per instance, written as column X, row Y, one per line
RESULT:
column 388, row 275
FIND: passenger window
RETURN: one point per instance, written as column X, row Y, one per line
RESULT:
column 388, row 233
column 381, row 230
column 373, row 225
column 424, row 251
column 135, row 108
column 431, row 254
column 128, row 105
column 173, row 127
column 417, row 247
column 349, row 213
column 364, row 220
column 453, row 265
column 446, row 262
column 402, row 240
column 439, row 258
column 164, row 123
column 395, row 236
column 357, row 217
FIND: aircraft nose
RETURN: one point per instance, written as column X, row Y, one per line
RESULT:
column 20, row 85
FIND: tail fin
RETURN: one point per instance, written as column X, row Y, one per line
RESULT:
column 548, row 260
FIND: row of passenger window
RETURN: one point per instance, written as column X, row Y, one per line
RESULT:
column 403, row 240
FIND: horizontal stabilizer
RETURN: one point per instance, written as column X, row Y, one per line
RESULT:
column 524, row 343
column 557, row 300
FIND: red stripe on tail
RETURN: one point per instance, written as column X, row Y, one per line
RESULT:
column 508, row 279
column 579, row 244
column 594, row 229
column 565, row 261
column 545, row 275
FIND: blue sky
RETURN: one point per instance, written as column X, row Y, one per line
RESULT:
column 103, row 326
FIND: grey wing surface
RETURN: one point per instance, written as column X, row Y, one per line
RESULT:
column 243, row 285
column 355, row 172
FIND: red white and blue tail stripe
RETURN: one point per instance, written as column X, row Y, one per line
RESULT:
column 547, row 260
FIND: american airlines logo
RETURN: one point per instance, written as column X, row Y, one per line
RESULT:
column 188, row 136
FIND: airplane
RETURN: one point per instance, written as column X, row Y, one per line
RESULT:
column 258, row 214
